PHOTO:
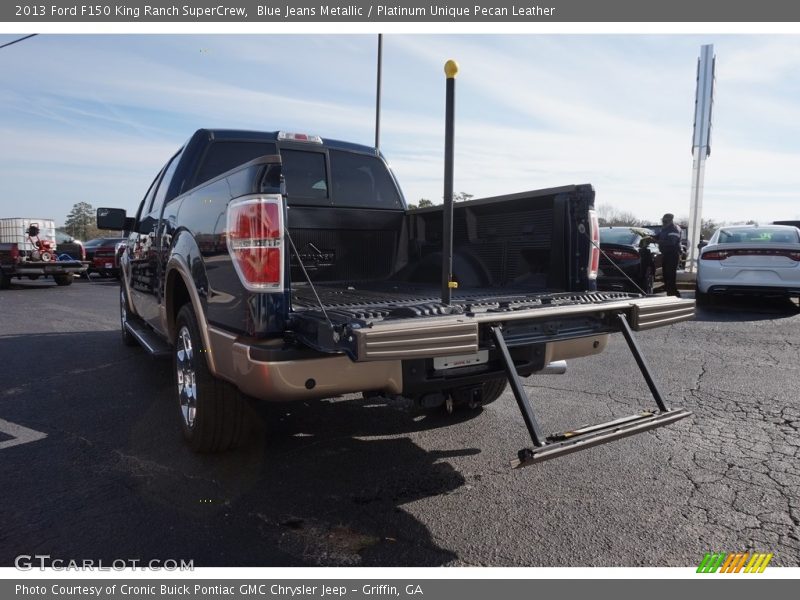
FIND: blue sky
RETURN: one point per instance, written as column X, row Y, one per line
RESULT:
column 92, row 117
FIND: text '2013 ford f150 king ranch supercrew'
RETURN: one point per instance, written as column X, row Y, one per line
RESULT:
column 283, row 266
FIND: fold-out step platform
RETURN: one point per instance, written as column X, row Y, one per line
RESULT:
column 594, row 435
column 566, row 442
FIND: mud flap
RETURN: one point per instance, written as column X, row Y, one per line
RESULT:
column 559, row 444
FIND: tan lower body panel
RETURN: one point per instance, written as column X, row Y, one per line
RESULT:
column 301, row 379
column 566, row 349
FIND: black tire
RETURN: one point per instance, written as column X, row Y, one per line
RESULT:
column 63, row 279
column 215, row 419
column 5, row 281
column 701, row 299
column 124, row 311
column 493, row 389
column 103, row 274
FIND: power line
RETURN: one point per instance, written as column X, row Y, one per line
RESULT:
column 18, row 40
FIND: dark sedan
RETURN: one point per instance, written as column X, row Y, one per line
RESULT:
column 628, row 260
column 102, row 256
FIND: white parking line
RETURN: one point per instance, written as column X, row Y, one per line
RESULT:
column 21, row 435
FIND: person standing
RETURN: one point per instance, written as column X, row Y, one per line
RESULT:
column 669, row 243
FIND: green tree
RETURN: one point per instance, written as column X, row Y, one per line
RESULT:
column 81, row 223
column 462, row 196
column 608, row 215
column 423, row 202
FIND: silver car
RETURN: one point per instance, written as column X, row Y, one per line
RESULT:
column 750, row 259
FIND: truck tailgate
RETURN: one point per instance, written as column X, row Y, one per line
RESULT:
column 429, row 329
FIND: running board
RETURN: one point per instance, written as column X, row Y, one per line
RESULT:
column 148, row 339
column 559, row 444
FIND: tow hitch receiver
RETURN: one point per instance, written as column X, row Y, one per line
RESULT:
column 566, row 442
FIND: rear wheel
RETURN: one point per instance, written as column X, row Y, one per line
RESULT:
column 213, row 412
column 493, row 389
column 701, row 299
column 63, row 279
column 5, row 281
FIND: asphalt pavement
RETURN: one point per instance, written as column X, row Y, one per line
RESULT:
column 349, row 481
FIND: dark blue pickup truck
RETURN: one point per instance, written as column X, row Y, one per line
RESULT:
column 282, row 266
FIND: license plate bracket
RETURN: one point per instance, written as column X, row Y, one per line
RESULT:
column 442, row 363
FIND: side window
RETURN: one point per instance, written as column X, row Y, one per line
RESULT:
column 158, row 199
column 224, row 156
column 148, row 198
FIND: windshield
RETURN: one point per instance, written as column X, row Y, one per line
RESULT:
column 758, row 235
column 620, row 235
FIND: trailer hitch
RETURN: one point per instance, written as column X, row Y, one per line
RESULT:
column 566, row 442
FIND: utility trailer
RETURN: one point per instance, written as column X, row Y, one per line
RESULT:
column 28, row 249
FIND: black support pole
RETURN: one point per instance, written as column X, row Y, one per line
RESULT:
column 378, row 95
column 450, row 70
column 625, row 328
column 516, row 387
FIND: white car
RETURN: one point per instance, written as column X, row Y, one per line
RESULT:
column 750, row 259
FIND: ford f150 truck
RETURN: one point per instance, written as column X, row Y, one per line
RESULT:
column 285, row 267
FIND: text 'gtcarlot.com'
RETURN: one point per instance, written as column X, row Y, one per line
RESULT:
column 26, row 562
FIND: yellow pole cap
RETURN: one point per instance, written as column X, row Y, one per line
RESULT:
column 451, row 69
column 452, row 284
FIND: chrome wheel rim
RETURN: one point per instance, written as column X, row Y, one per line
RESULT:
column 186, row 381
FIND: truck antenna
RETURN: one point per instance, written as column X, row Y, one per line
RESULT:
column 450, row 70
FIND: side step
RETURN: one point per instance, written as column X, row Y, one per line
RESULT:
column 559, row 444
column 586, row 437
column 148, row 339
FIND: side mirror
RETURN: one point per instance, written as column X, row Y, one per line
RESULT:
column 111, row 218
column 114, row 219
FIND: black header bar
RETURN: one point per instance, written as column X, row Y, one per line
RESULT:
column 411, row 11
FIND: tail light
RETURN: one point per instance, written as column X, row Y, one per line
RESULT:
column 594, row 257
column 622, row 255
column 83, row 252
column 255, row 242
column 723, row 254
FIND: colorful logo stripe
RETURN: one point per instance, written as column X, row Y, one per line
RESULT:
column 734, row 563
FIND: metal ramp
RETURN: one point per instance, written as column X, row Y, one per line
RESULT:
column 566, row 442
